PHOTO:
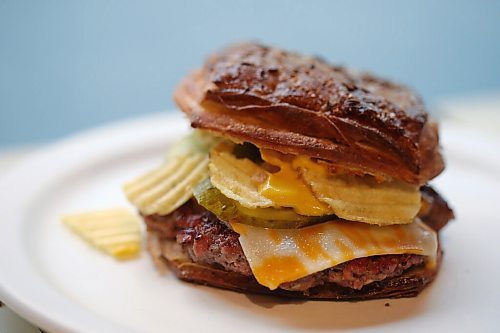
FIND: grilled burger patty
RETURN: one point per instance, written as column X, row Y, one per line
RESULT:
column 208, row 241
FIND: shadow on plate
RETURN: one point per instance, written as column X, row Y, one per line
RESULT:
column 322, row 315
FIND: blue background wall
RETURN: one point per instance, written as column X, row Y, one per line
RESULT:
column 66, row 65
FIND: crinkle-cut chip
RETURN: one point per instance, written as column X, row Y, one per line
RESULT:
column 114, row 231
column 237, row 179
column 364, row 199
column 197, row 141
column 282, row 255
column 164, row 189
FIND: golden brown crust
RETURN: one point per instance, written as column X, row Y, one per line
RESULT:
column 166, row 252
column 302, row 105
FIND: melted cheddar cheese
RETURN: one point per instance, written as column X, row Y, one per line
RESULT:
column 286, row 188
column 311, row 189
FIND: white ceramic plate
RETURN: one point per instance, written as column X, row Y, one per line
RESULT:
column 55, row 280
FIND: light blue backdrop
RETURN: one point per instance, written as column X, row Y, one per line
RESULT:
column 66, row 65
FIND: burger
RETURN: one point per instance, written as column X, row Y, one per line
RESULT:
column 300, row 179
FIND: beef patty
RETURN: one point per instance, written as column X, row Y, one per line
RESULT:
column 208, row 241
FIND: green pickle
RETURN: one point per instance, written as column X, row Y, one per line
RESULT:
column 229, row 210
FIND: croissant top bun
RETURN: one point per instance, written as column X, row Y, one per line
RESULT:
column 303, row 105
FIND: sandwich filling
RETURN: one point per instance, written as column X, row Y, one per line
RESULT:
column 290, row 221
column 209, row 242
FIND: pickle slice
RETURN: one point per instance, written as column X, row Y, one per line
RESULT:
column 230, row 211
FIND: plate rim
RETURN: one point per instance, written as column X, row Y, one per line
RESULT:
column 48, row 317
column 80, row 319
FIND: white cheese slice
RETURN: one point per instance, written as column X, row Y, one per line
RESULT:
column 282, row 255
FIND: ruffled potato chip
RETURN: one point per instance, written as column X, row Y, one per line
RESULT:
column 113, row 231
column 237, row 178
column 364, row 199
column 196, row 142
column 166, row 188
column 349, row 197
